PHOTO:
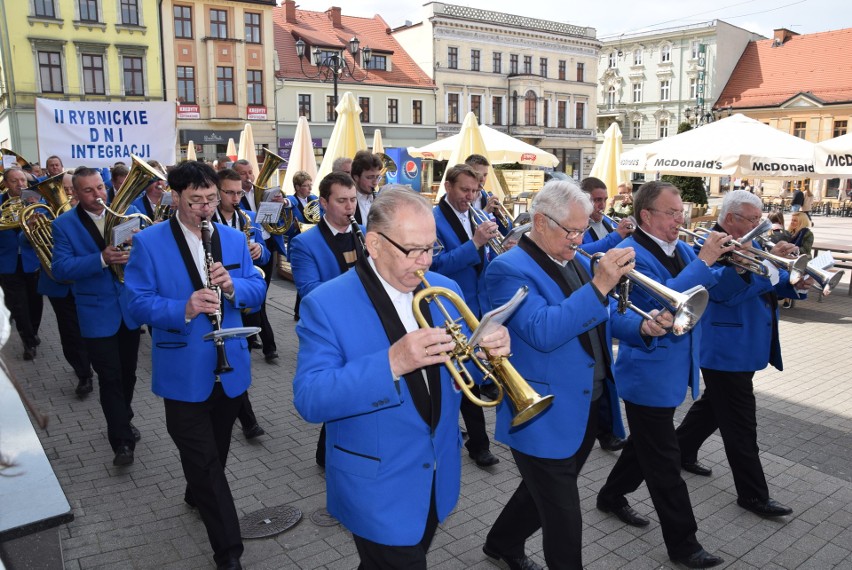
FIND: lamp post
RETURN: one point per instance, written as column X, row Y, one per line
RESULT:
column 334, row 66
column 703, row 116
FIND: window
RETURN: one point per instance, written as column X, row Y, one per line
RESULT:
column 694, row 49
column 546, row 111
column 474, row 60
column 305, row 106
column 665, row 90
column 666, row 54
column 93, row 74
column 542, row 66
column 186, row 84
column 497, row 62
column 513, row 64
column 44, row 9
column 693, row 87
column 496, row 110
column 330, row 114
column 527, row 65
column 254, row 86
column 612, row 59
column 252, row 28
column 417, row 112
column 130, row 12
column 393, row 110
column 637, row 129
column 134, row 80
column 218, row 24
column 610, row 97
column 513, row 111
column 839, row 128
column 364, row 103
column 379, row 62
column 89, row 10
column 561, row 114
column 799, row 129
column 637, row 92
column 183, row 21
column 581, row 116
column 476, row 107
column 664, row 128
column 452, row 107
column 225, row 85
column 581, row 72
column 453, row 58
column 637, row 56
column 530, row 101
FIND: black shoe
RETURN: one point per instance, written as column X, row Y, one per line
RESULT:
column 136, row 435
column 187, row 498
column 484, row 458
column 30, row 353
column 271, row 357
column 255, row 345
column 696, row 468
column 252, row 432
column 767, row 508
column 84, row 387
column 611, row 442
column 514, row 562
column 37, row 341
column 700, row 559
column 123, row 456
column 230, row 564
column 489, row 391
column 626, row 514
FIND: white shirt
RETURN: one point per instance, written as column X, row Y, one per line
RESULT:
column 668, row 248
column 464, row 218
column 599, row 227
column 99, row 220
column 365, row 202
column 196, row 248
column 335, row 231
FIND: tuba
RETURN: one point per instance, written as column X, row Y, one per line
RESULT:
column 36, row 219
column 141, row 175
column 271, row 162
column 527, row 402
column 388, row 165
column 22, row 162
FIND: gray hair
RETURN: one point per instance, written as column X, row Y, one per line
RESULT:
column 339, row 162
column 647, row 195
column 734, row 201
column 557, row 197
column 390, row 202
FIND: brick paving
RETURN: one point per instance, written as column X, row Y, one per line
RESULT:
column 135, row 517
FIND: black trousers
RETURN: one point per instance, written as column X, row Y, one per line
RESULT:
column 547, row 499
column 246, row 413
column 259, row 318
column 652, row 455
column 604, row 411
column 73, row 346
column 114, row 360
column 24, row 302
column 727, row 403
column 202, row 433
column 474, row 423
column 375, row 556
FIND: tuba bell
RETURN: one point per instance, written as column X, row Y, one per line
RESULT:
column 36, row 219
column 271, row 162
column 388, row 165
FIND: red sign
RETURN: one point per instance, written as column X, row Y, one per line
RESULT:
column 528, row 156
column 185, row 111
column 256, row 113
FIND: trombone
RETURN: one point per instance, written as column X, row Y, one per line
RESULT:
column 526, row 401
column 686, row 307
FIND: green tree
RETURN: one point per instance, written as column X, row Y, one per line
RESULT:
column 691, row 187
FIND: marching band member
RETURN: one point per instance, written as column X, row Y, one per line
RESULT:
column 366, row 171
column 342, row 164
column 486, row 202
column 302, row 186
column 168, row 281
column 150, row 199
column 53, row 165
column 393, row 466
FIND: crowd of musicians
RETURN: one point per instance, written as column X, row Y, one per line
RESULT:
column 374, row 365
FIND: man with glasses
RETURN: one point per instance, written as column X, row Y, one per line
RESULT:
column 739, row 336
column 380, row 384
column 653, row 383
column 464, row 261
column 366, row 170
column 167, row 281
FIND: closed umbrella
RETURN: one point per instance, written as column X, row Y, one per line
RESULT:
column 190, row 151
column 606, row 162
column 377, row 142
column 301, row 156
column 347, row 137
column 246, row 150
column 231, row 151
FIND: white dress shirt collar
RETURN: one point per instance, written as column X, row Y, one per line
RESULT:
column 668, row 248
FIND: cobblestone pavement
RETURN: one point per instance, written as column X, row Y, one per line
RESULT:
column 135, row 517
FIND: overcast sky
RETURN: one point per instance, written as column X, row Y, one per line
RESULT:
column 614, row 17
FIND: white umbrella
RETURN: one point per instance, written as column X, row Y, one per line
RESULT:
column 301, row 156
column 470, row 141
column 606, row 162
column 735, row 146
column 246, row 149
column 347, row 137
column 834, row 157
column 231, row 151
column 378, row 146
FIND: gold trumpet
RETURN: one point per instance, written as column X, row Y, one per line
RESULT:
column 36, row 219
column 527, row 402
column 271, row 162
column 501, row 214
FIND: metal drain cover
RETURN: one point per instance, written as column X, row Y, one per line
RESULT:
column 322, row 517
column 269, row 521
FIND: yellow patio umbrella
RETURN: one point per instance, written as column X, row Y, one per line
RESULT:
column 301, row 157
column 347, row 137
column 606, row 162
column 377, row 142
column 246, row 149
column 231, row 151
column 470, row 142
column 190, row 151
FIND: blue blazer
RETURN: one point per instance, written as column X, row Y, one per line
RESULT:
column 547, row 352
column 256, row 236
column 459, row 261
column 160, row 286
column 480, row 205
column 29, row 259
column 141, row 204
column 31, row 264
column 101, row 298
column 381, row 456
column 660, row 378
column 604, row 244
column 312, row 260
column 9, row 245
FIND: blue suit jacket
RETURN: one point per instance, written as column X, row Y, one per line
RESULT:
column 9, row 245
column 547, row 352
column 256, row 236
column 381, row 456
column 101, row 299
column 312, row 260
column 604, row 244
column 459, row 261
column 480, row 203
column 140, row 204
column 160, row 286
column 660, row 377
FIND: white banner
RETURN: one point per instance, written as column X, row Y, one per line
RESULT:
column 101, row 134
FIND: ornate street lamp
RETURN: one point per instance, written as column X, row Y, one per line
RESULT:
column 334, row 66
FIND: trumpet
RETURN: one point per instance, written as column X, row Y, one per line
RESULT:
column 616, row 221
column 495, row 243
column 686, row 308
column 741, row 259
column 527, row 402
column 501, row 214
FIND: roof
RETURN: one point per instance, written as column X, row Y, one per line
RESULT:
column 767, row 75
column 316, row 29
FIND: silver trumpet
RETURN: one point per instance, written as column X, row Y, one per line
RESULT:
column 686, row 307
column 495, row 243
column 615, row 221
column 823, row 279
column 741, row 259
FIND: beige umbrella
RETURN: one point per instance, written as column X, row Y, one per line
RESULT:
column 301, row 156
column 246, row 149
column 347, row 137
column 469, row 141
column 606, row 162
column 231, row 151
column 377, row 142
column 190, row 151
column 834, row 156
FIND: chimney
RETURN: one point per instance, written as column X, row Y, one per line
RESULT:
column 782, row 35
column 333, row 14
column 290, row 11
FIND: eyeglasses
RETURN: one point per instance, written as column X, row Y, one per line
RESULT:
column 415, row 252
column 569, row 234
column 673, row 214
column 233, row 193
column 753, row 221
column 201, row 205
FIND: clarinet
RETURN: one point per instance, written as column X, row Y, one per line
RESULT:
column 222, row 364
column 356, row 229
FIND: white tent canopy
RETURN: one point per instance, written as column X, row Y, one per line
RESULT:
column 834, row 157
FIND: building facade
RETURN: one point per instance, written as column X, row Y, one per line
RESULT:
column 75, row 50
column 533, row 79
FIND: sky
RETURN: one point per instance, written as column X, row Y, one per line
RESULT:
column 612, row 18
